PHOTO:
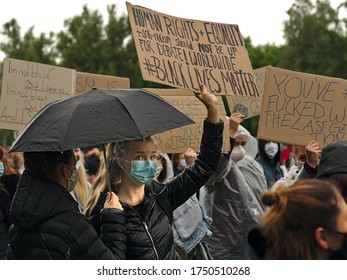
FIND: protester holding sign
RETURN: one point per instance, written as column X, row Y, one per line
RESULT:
column 232, row 195
column 269, row 157
column 147, row 204
column 178, row 163
column 306, row 161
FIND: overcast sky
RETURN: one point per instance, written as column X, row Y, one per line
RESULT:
column 262, row 20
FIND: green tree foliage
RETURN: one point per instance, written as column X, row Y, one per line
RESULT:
column 262, row 55
column 81, row 45
column 29, row 48
column 88, row 45
column 315, row 41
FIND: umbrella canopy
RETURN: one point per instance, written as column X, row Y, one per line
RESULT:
column 96, row 117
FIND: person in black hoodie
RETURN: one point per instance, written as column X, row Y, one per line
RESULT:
column 333, row 168
column 269, row 157
column 149, row 204
column 46, row 222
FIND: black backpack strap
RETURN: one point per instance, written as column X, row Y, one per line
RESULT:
column 166, row 207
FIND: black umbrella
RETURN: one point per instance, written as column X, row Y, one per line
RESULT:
column 99, row 116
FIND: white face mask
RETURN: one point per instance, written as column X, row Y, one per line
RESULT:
column 72, row 181
column 299, row 165
column 78, row 164
column 182, row 163
column 271, row 149
column 238, row 153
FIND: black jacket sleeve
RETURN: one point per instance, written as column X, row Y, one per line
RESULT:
column 192, row 178
column 3, row 236
column 111, row 243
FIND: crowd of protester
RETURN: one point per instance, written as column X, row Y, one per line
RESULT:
column 259, row 200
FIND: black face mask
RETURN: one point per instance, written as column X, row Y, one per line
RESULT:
column 340, row 254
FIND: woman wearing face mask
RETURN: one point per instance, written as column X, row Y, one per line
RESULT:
column 147, row 203
column 46, row 220
column 251, row 170
column 306, row 160
column 178, row 163
column 307, row 221
column 269, row 157
column 232, row 197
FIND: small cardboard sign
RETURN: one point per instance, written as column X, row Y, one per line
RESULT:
column 27, row 87
column 184, row 53
column 297, row 107
column 249, row 106
column 86, row 81
column 180, row 139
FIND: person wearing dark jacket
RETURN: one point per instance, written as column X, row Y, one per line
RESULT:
column 46, row 222
column 148, row 204
column 269, row 158
column 333, row 168
column 8, row 185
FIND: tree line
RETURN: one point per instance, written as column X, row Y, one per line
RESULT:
column 314, row 35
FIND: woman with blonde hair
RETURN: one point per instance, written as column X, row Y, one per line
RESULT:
column 307, row 221
column 81, row 191
column 148, row 204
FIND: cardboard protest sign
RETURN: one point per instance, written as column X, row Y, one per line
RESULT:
column 248, row 106
column 86, row 81
column 298, row 107
column 180, row 139
column 184, row 53
column 27, row 87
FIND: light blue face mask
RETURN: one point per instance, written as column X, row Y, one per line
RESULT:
column 1, row 168
column 143, row 171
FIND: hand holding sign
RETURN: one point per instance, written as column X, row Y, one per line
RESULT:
column 313, row 153
column 234, row 121
column 190, row 156
column 179, row 140
column 211, row 103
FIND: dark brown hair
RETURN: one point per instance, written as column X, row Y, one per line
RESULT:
column 294, row 215
column 45, row 163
